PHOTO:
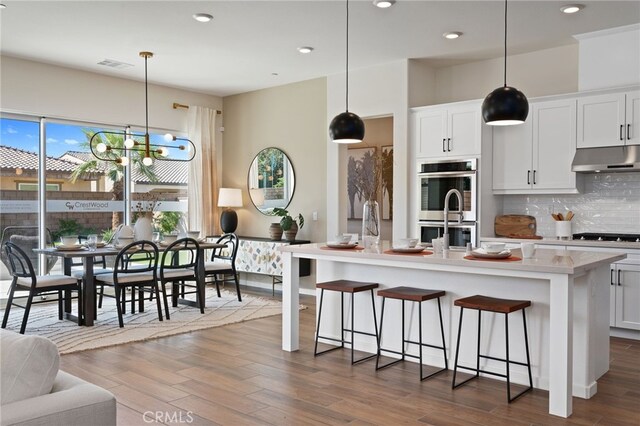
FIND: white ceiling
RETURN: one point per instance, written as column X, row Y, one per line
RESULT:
column 249, row 41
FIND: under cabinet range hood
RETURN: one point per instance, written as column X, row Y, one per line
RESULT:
column 607, row 159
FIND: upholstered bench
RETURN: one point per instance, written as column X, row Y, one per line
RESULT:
column 34, row 392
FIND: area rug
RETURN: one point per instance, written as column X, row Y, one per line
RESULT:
column 69, row 337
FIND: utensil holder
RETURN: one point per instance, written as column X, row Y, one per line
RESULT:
column 563, row 229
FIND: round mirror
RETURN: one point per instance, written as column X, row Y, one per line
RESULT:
column 271, row 180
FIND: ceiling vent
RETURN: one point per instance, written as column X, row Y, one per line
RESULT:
column 114, row 64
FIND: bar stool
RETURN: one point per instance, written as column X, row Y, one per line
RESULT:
column 346, row 286
column 503, row 306
column 413, row 295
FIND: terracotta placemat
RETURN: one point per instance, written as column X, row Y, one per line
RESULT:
column 341, row 249
column 422, row 253
column 507, row 259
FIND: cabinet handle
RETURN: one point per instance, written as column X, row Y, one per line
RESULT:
column 528, row 177
column 619, row 279
column 621, row 129
column 612, row 277
column 629, row 132
column 449, row 144
column 443, row 141
column 534, row 177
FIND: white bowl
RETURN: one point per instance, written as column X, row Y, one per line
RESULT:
column 69, row 240
column 169, row 238
column 493, row 247
column 124, row 241
column 342, row 239
column 408, row 242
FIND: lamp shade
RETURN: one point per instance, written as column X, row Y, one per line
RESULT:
column 346, row 127
column 505, row 106
column 230, row 197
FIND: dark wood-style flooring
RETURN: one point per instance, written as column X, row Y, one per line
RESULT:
column 238, row 375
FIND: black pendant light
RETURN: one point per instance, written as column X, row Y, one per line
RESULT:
column 506, row 105
column 347, row 127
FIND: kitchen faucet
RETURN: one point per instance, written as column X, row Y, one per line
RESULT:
column 460, row 212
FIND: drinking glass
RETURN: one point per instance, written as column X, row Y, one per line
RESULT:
column 92, row 241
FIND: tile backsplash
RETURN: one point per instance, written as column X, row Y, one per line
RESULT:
column 610, row 202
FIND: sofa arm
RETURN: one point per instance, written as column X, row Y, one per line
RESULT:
column 71, row 402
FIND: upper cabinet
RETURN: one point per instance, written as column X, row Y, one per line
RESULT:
column 609, row 120
column 447, row 130
column 535, row 157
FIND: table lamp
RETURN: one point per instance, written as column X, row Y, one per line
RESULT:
column 229, row 197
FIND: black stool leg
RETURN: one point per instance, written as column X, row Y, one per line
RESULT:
column 478, row 352
column 528, row 364
column 315, row 350
column 380, row 334
column 444, row 346
column 419, row 335
column 506, row 331
column 455, row 362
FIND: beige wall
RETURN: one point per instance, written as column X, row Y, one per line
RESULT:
column 292, row 118
column 544, row 72
column 51, row 91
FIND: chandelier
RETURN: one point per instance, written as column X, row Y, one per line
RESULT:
column 115, row 149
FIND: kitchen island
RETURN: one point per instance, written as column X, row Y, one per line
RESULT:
column 567, row 322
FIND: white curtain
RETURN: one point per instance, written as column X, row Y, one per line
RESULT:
column 203, row 185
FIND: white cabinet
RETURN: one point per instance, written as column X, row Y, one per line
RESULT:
column 535, row 157
column 609, row 120
column 447, row 130
column 625, row 295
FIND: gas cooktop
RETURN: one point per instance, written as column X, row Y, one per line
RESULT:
column 594, row 236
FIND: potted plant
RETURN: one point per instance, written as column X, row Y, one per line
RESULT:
column 288, row 223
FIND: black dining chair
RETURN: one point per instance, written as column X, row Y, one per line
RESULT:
column 178, row 266
column 24, row 278
column 136, row 267
column 222, row 266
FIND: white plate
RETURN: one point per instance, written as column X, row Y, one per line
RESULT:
column 69, row 247
column 407, row 249
column 342, row 245
column 482, row 253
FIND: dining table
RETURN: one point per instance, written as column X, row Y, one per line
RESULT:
column 88, row 278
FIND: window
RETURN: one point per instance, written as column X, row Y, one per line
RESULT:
column 22, row 186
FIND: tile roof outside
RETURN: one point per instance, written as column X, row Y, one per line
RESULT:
column 168, row 172
column 16, row 158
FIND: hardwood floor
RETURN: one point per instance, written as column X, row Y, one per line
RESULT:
column 238, row 375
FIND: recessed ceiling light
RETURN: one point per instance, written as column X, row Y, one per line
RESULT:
column 274, row 73
column 305, row 49
column 383, row 4
column 3, row 6
column 202, row 17
column 572, row 8
column 452, row 35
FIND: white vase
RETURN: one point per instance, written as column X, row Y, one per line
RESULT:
column 370, row 224
column 143, row 229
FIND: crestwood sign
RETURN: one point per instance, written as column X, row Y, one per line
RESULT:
column 81, row 206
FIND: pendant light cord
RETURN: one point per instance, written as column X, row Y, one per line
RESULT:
column 347, row 63
column 505, row 43
column 146, row 97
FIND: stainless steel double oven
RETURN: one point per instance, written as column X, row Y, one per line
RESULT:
column 435, row 179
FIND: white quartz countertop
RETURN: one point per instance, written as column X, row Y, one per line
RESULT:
column 545, row 261
column 570, row 243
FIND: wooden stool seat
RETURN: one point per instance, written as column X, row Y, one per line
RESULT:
column 353, row 287
column 410, row 293
column 347, row 286
column 492, row 304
